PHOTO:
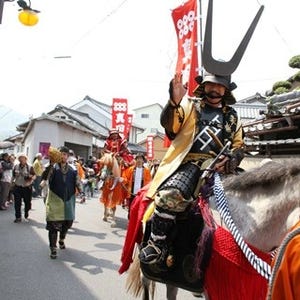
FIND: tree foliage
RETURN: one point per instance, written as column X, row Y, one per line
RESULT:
column 281, row 90
column 294, row 62
column 285, row 84
column 296, row 77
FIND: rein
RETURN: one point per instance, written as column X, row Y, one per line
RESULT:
column 263, row 268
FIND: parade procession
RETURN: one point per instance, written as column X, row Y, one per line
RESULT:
column 191, row 192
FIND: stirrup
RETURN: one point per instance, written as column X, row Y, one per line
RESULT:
column 150, row 254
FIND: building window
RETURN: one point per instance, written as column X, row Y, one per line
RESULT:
column 145, row 116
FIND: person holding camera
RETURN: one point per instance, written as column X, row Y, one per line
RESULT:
column 23, row 177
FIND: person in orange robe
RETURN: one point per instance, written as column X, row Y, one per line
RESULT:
column 81, row 173
column 135, row 177
column 285, row 280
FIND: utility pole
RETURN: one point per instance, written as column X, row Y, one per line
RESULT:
column 1, row 10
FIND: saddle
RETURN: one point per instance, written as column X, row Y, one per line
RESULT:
column 182, row 246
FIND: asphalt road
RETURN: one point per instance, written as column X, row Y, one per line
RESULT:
column 86, row 270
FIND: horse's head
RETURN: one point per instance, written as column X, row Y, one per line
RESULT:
column 109, row 166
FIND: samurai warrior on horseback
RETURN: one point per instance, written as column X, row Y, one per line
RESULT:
column 198, row 130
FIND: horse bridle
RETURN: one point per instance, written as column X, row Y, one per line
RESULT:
column 262, row 267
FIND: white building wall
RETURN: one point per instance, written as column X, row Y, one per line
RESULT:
column 148, row 117
column 73, row 135
column 46, row 131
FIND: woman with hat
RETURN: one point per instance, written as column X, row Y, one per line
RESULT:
column 23, row 177
column 198, row 130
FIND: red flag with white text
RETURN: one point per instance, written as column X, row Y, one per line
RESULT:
column 129, row 124
column 185, row 21
column 119, row 115
column 150, row 147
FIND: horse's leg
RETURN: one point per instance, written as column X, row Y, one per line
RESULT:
column 171, row 292
column 137, row 284
column 113, row 222
column 145, row 284
column 105, row 214
column 148, row 288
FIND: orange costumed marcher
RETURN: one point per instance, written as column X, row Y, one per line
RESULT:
column 135, row 177
column 285, row 279
column 81, row 174
column 113, row 189
column 118, row 146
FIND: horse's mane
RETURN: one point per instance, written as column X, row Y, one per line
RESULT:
column 273, row 172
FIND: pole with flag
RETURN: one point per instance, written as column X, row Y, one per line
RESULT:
column 186, row 19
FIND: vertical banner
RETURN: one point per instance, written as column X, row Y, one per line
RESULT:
column 119, row 115
column 129, row 124
column 185, row 21
column 150, row 147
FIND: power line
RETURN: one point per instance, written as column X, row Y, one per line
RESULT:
column 5, row 114
column 277, row 30
column 101, row 21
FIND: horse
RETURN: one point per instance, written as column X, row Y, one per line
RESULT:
column 250, row 213
column 111, row 185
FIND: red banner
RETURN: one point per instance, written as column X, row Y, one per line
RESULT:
column 185, row 21
column 129, row 124
column 119, row 115
column 150, row 147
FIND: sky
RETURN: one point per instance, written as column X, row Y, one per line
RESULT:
column 128, row 49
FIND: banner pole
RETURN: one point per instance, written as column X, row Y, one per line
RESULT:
column 200, row 37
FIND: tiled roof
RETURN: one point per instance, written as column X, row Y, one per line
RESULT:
column 249, row 111
column 143, row 107
column 135, row 148
column 82, row 119
column 101, row 105
column 272, row 142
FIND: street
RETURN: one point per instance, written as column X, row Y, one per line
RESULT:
column 86, row 269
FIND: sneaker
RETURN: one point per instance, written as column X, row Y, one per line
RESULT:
column 53, row 253
column 151, row 254
column 62, row 244
column 26, row 220
column 18, row 220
